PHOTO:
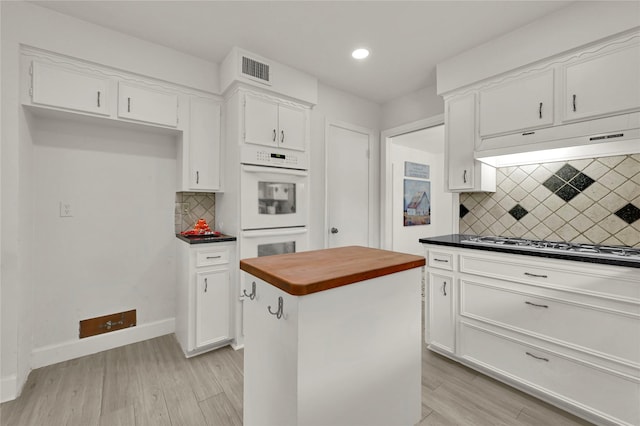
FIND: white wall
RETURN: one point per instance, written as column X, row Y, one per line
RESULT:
column 25, row 23
column 336, row 105
column 419, row 105
column 117, row 252
column 426, row 147
column 580, row 23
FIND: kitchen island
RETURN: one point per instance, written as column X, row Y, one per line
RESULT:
column 332, row 337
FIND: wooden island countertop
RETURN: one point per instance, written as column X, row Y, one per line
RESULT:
column 309, row 272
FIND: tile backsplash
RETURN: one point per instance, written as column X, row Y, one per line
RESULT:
column 593, row 200
column 191, row 206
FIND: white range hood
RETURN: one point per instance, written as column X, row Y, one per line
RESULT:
column 601, row 137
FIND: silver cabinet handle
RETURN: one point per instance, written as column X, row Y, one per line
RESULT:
column 440, row 260
column 274, row 135
column 206, row 284
column 277, row 313
column 253, row 291
column 574, row 103
column 444, row 288
column 537, row 357
column 464, row 176
column 98, row 99
column 535, row 275
column 535, row 304
column 197, row 177
column 540, row 111
column 281, row 136
column 214, row 257
column 128, row 104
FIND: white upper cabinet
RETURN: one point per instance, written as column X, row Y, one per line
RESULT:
column 602, row 84
column 292, row 126
column 204, row 145
column 147, row 105
column 465, row 173
column 272, row 123
column 61, row 87
column 460, row 136
column 517, row 105
column 260, row 121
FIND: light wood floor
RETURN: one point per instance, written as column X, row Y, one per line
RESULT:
column 151, row 383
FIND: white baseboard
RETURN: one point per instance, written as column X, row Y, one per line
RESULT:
column 52, row 354
column 8, row 387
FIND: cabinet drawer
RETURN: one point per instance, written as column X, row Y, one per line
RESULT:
column 212, row 256
column 565, row 322
column 440, row 260
column 599, row 391
column 608, row 282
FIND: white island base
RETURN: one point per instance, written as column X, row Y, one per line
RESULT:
column 349, row 355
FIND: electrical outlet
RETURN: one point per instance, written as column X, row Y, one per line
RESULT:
column 185, row 208
column 65, row 209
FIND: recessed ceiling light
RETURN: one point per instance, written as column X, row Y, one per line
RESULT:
column 360, row 53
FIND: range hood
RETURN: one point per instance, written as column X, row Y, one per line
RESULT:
column 601, row 137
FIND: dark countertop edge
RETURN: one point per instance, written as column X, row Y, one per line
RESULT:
column 206, row 240
column 454, row 240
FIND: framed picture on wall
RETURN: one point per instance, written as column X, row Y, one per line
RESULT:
column 417, row 202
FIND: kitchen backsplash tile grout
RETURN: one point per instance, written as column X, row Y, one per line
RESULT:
column 593, row 201
column 191, row 206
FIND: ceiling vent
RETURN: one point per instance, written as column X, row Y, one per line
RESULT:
column 255, row 70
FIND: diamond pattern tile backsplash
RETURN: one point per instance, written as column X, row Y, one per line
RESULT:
column 593, row 201
column 191, row 206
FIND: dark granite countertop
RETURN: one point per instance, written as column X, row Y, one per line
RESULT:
column 455, row 240
column 205, row 239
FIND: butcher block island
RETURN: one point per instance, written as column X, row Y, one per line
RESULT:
column 332, row 337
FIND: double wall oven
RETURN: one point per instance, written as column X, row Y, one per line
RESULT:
column 274, row 201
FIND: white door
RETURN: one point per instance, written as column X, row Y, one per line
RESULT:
column 348, row 199
column 204, row 144
column 148, row 105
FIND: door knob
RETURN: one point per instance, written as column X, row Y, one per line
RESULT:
column 334, row 230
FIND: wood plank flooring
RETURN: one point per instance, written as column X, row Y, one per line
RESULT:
column 152, row 383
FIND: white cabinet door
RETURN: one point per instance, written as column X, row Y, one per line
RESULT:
column 602, row 85
column 292, row 127
column 204, row 145
column 440, row 313
column 60, row 87
column 522, row 104
column 460, row 135
column 212, row 307
column 260, row 121
column 147, row 105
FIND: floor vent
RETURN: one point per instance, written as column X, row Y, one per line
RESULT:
column 107, row 323
column 256, row 70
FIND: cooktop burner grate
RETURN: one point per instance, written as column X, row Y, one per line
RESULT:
column 617, row 252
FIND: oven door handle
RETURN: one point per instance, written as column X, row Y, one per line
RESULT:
column 272, row 233
column 279, row 171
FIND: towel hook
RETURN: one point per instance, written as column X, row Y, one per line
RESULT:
column 278, row 313
column 253, row 291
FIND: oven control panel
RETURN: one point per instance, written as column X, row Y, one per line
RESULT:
column 274, row 157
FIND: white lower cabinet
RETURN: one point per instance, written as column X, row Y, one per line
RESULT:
column 565, row 331
column 441, row 314
column 204, row 314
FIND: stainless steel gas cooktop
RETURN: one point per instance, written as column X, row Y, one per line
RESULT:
column 611, row 252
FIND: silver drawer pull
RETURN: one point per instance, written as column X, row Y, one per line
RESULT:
column 535, row 275
column 537, row 357
column 441, row 260
column 214, row 257
column 535, row 304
